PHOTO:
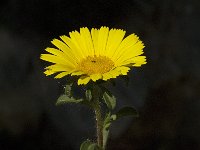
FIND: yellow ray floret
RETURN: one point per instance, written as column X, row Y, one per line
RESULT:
column 99, row 54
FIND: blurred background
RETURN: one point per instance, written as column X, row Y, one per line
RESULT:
column 166, row 91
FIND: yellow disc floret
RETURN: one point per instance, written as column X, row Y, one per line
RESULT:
column 95, row 65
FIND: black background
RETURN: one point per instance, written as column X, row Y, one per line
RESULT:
column 166, row 91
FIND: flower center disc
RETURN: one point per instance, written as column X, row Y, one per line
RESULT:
column 96, row 65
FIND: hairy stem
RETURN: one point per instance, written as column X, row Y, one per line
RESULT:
column 99, row 121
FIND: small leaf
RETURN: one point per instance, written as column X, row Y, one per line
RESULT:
column 88, row 95
column 85, row 145
column 105, row 137
column 94, row 146
column 64, row 99
column 109, row 100
column 106, row 126
column 88, row 145
column 127, row 111
column 113, row 117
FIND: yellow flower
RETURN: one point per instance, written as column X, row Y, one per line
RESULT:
column 93, row 55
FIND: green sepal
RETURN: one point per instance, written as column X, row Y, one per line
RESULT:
column 88, row 145
column 68, row 89
column 110, row 100
column 64, row 99
column 125, row 111
column 88, row 95
column 113, row 117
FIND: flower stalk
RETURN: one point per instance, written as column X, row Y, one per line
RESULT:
column 98, row 116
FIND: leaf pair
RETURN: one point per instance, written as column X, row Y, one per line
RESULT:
column 68, row 98
column 125, row 111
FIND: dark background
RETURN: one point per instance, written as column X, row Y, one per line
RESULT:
column 166, row 91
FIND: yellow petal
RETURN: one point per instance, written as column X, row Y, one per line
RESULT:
column 114, row 39
column 95, row 36
column 76, row 52
column 114, row 73
column 123, row 70
column 62, row 74
column 49, row 72
column 140, row 60
column 63, row 47
column 58, row 67
column 111, row 74
column 102, row 40
column 125, row 44
column 106, row 76
column 77, row 39
column 52, row 58
column 55, row 52
column 60, row 54
column 87, row 39
column 95, row 77
column 135, row 61
column 83, row 80
column 131, row 52
column 78, row 73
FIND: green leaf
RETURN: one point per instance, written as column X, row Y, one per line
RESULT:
column 88, row 95
column 64, row 99
column 88, row 145
column 109, row 100
column 126, row 111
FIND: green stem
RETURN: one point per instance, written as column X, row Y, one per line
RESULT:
column 99, row 121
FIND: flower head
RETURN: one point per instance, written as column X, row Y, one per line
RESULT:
column 93, row 55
